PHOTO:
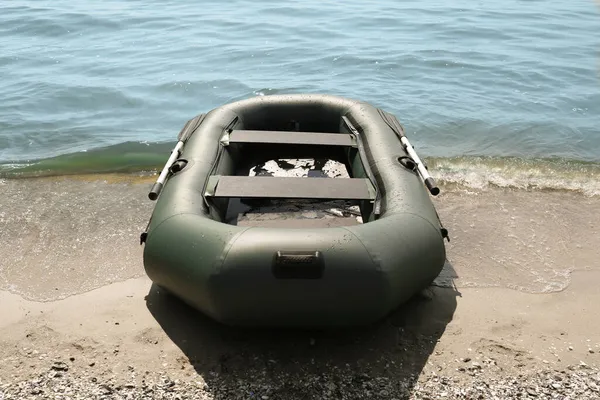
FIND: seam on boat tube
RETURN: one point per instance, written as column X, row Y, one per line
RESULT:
column 402, row 213
column 437, row 229
column 376, row 264
column 229, row 246
column 171, row 216
column 196, row 214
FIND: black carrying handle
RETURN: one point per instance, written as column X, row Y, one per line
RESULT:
column 298, row 265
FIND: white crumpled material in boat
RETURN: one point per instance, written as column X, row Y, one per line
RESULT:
column 299, row 213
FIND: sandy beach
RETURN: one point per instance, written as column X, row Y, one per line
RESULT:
column 514, row 313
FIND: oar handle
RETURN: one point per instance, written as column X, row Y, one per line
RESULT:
column 155, row 191
column 433, row 189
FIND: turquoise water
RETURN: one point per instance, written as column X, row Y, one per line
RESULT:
column 483, row 87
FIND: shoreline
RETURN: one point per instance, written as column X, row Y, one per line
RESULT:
column 80, row 217
column 475, row 172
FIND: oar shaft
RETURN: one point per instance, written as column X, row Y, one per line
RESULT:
column 429, row 182
column 157, row 187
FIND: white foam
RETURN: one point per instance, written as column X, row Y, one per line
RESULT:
column 478, row 173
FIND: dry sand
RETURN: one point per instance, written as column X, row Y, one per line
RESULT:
column 514, row 313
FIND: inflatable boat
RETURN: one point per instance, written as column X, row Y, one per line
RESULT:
column 341, row 275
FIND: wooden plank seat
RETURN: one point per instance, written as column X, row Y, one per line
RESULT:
column 270, row 187
column 286, row 137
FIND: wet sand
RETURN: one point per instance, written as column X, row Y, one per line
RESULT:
column 517, row 300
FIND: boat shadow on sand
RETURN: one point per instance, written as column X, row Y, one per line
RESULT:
column 385, row 357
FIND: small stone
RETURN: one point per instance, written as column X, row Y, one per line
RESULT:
column 92, row 364
column 591, row 351
column 466, row 359
column 60, row 366
column 570, row 348
column 71, row 359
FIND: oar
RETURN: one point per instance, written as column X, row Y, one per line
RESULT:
column 158, row 185
column 393, row 123
column 185, row 133
column 429, row 182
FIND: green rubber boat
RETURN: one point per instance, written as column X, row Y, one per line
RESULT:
column 294, row 276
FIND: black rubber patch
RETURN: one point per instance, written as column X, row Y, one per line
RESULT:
column 298, row 265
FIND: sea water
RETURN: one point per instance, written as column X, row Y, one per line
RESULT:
column 479, row 86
